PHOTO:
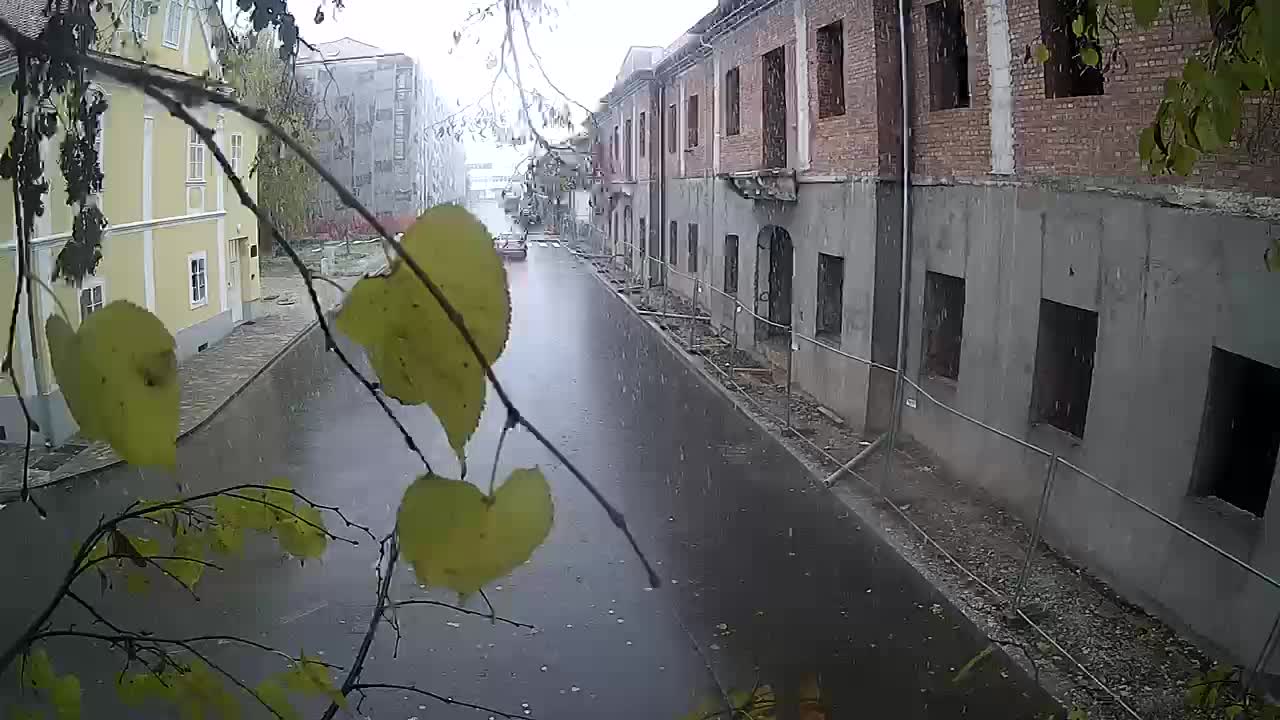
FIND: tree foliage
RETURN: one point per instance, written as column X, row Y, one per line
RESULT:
column 261, row 78
column 1202, row 107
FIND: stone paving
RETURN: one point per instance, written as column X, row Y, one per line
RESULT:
column 209, row 379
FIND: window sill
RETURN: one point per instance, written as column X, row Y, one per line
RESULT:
column 831, row 116
column 171, row 46
column 200, row 304
column 196, row 183
column 828, row 338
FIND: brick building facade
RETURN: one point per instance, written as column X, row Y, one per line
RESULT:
column 1053, row 288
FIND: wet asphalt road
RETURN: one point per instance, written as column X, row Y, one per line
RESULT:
column 767, row 576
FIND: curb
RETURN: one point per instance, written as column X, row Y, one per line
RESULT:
column 866, row 509
column 7, row 496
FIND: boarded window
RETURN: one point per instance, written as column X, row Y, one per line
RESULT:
column 642, row 134
column 943, row 324
column 673, row 127
column 693, row 248
column 691, row 117
column 731, row 263
column 1065, row 73
column 1064, row 366
column 774, row 110
column 732, row 102
column 831, row 70
column 673, row 254
column 1239, row 432
column 948, row 55
column 830, row 295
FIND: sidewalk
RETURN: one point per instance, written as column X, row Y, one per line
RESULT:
column 209, row 380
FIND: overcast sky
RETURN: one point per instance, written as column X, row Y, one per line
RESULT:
column 581, row 43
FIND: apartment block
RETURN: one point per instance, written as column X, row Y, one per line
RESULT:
column 378, row 126
column 1054, row 289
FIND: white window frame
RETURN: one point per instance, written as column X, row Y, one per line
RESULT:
column 194, row 287
column 195, row 157
column 89, row 284
column 170, row 6
column 236, row 145
column 139, row 18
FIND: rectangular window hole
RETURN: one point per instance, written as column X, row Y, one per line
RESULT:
column 693, row 248
column 202, row 347
column 1065, row 74
column 830, row 296
column 731, row 264
column 1239, row 432
column 1065, row 345
column 948, row 55
column 831, row 69
column 943, row 324
column 732, row 102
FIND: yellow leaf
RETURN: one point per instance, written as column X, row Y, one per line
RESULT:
column 37, row 670
column 310, row 677
column 119, row 375
column 459, row 539
column 138, row 688
column 65, row 697
column 1041, row 53
column 274, row 696
column 420, row 357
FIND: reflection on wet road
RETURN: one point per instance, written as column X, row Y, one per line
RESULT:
column 767, row 576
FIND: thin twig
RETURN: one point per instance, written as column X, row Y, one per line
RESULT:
column 390, row 552
column 441, row 698
column 488, row 616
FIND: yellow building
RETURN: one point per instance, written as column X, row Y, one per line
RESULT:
column 179, row 242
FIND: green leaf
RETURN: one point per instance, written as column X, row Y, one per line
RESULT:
column 419, row 355
column 1205, row 133
column 138, row 688
column 311, row 677
column 1147, row 143
column 1233, row 711
column 119, row 375
column 1251, row 74
column 1041, row 53
column 136, row 583
column 1146, row 11
column 24, row 713
column 1078, row 714
column 300, row 539
column 188, row 545
column 965, row 671
column 457, row 538
column 273, row 695
column 1077, row 26
column 1268, row 30
column 37, row 670
column 65, row 697
column 1196, row 74
column 1182, row 158
column 201, row 694
column 1089, row 56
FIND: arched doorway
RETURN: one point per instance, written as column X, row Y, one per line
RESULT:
column 773, row 280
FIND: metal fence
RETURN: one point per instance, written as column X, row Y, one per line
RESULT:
column 1058, row 471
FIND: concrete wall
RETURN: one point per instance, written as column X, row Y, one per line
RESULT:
column 1168, row 285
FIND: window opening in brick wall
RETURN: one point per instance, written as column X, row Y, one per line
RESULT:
column 644, row 243
column 693, row 248
column 691, row 118
column 830, row 296
column 616, row 146
column 672, row 243
column 774, row 110
column 831, row 69
column 731, row 264
column 943, row 324
column 673, row 127
column 948, row 55
column 1065, row 75
column 732, row 102
column 641, row 139
column 627, row 147
column 1065, row 344
column 1239, row 432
